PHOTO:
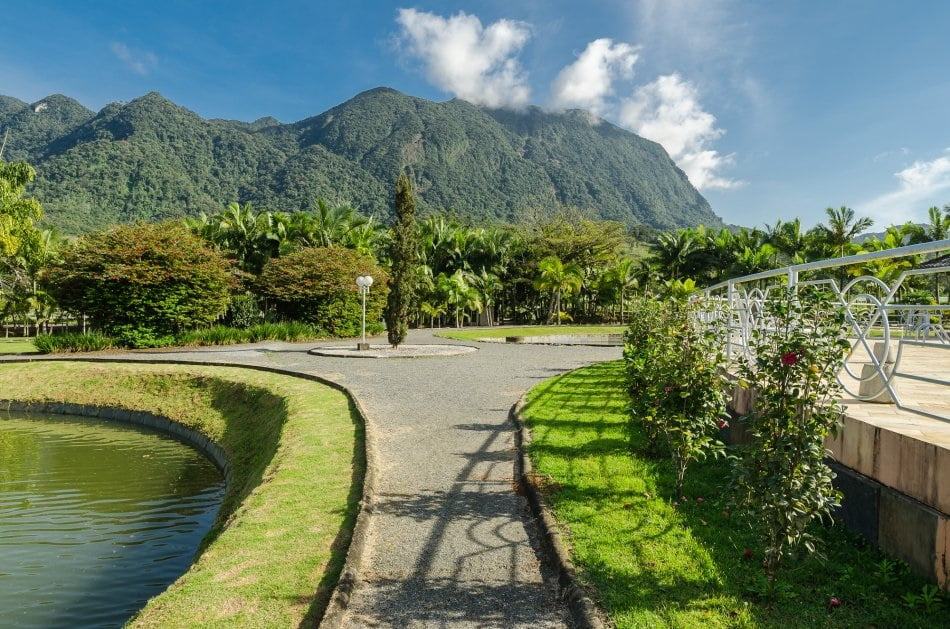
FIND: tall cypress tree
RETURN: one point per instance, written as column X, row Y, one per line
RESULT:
column 403, row 253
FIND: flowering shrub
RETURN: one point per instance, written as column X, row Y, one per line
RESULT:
column 782, row 482
column 674, row 376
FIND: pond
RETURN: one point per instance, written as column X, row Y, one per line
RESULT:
column 96, row 517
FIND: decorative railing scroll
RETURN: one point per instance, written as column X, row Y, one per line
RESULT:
column 900, row 351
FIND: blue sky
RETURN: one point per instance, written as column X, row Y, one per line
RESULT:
column 775, row 110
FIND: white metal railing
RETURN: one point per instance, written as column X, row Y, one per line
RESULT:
column 891, row 341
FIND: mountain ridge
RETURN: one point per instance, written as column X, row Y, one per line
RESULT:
column 150, row 159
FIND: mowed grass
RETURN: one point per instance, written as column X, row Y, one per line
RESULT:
column 652, row 564
column 16, row 345
column 544, row 330
column 276, row 550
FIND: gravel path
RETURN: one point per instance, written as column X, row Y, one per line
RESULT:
column 450, row 542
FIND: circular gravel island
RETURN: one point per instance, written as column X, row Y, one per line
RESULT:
column 387, row 351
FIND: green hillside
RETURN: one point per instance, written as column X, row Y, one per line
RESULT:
column 151, row 159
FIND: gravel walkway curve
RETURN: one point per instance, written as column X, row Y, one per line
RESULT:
column 450, row 543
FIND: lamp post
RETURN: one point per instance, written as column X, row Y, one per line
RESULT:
column 364, row 282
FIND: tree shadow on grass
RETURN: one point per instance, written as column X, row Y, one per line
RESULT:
column 341, row 543
column 254, row 422
column 684, row 558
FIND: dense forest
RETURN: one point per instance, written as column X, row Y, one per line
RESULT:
column 151, row 159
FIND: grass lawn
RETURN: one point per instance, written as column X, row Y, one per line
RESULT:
column 545, row 330
column 653, row 564
column 16, row 345
column 279, row 543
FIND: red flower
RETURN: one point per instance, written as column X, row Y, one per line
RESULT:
column 722, row 423
column 700, row 500
column 747, row 554
column 789, row 358
column 834, row 602
column 667, row 389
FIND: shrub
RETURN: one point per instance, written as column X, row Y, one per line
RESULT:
column 318, row 286
column 243, row 311
column 674, row 366
column 645, row 321
column 782, row 482
column 142, row 283
column 291, row 331
column 216, row 335
column 72, row 342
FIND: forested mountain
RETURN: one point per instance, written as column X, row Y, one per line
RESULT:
column 150, row 159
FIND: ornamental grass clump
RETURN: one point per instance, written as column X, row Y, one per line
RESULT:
column 781, row 482
column 675, row 367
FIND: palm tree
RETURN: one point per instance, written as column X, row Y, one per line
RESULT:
column 489, row 286
column 252, row 238
column 623, row 276
column 559, row 278
column 672, row 251
column 751, row 261
column 432, row 311
column 842, row 228
column 789, row 239
column 836, row 238
column 455, row 289
column 939, row 226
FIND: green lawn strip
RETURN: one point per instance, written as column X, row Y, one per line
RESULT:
column 16, row 345
column 652, row 564
column 494, row 333
column 278, row 546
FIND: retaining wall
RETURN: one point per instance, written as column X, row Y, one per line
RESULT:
column 896, row 487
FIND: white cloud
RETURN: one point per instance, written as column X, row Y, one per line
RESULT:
column 475, row 63
column 587, row 82
column 918, row 188
column 139, row 61
column 668, row 111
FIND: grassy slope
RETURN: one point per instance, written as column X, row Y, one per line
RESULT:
column 16, row 345
column 653, row 564
column 547, row 330
column 296, row 451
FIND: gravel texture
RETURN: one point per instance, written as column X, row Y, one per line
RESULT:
column 450, row 543
column 387, row 351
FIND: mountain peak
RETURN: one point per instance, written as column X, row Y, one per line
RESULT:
column 8, row 104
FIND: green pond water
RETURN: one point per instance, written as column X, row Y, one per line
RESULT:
column 96, row 517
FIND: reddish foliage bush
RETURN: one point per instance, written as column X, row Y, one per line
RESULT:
column 318, row 285
column 141, row 283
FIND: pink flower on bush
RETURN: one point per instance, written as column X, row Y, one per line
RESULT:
column 834, row 602
column 667, row 389
column 789, row 358
column 700, row 500
column 722, row 423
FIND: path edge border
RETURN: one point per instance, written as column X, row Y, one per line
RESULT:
column 584, row 612
column 332, row 616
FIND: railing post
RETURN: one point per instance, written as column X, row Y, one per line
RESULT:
column 730, row 304
column 792, row 277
